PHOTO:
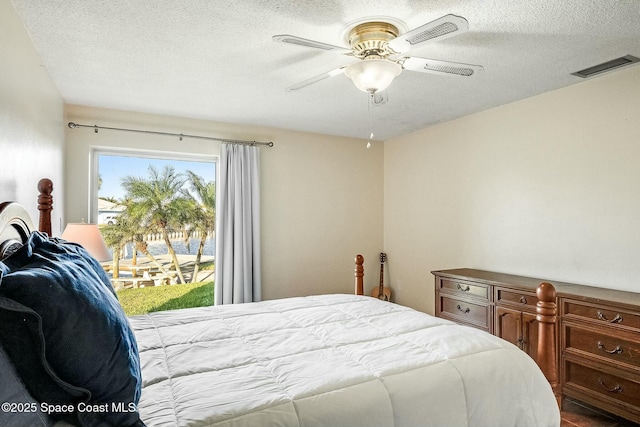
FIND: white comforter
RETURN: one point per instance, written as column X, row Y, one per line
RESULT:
column 332, row 360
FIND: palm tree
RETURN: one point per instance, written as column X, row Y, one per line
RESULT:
column 127, row 229
column 159, row 203
column 115, row 238
column 203, row 213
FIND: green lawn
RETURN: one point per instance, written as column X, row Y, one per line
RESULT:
column 171, row 297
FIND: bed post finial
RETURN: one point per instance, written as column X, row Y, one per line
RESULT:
column 546, row 315
column 45, row 205
column 359, row 273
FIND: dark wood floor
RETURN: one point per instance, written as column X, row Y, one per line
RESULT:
column 577, row 414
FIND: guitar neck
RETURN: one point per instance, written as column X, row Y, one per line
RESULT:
column 381, row 276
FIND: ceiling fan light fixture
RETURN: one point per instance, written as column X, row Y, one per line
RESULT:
column 373, row 75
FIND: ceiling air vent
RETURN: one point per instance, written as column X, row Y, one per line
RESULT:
column 606, row 66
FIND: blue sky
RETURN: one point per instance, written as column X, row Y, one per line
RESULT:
column 113, row 168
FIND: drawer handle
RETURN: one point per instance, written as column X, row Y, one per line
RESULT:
column 465, row 311
column 616, row 389
column 523, row 300
column 616, row 350
column 617, row 318
column 465, row 289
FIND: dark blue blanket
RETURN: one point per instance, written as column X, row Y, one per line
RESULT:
column 67, row 335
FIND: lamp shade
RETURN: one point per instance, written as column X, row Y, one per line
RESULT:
column 88, row 236
column 373, row 75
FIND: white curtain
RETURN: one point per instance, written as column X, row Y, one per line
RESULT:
column 238, row 269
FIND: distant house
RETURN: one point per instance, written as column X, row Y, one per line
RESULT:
column 108, row 212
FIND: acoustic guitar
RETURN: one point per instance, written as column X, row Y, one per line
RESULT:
column 381, row 292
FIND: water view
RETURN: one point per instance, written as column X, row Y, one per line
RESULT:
column 159, row 248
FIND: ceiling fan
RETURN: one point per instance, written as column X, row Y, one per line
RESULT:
column 379, row 44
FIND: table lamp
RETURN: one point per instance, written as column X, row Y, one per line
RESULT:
column 88, row 236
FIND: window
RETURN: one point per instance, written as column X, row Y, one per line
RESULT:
column 156, row 212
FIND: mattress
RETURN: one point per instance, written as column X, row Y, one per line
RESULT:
column 332, row 360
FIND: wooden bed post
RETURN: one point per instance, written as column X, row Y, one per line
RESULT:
column 359, row 273
column 45, row 205
column 546, row 310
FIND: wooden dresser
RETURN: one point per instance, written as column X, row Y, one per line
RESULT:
column 597, row 331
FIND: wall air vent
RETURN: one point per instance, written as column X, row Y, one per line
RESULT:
column 606, row 66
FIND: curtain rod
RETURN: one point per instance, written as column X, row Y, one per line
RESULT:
column 73, row 125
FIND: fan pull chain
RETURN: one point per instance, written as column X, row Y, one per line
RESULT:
column 370, row 108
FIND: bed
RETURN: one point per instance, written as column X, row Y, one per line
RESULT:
column 321, row 360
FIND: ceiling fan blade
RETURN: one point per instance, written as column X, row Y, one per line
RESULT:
column 440, row 29
column 287, row 38
column 315, row 79
column 434, row 66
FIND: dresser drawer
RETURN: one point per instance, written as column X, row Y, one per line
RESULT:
column 618, row 387
column 476, row 290
column 473, row 313
column 619, row 348
column 601, row 314
column 516, row 298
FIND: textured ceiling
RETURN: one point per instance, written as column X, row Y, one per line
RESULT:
column 215, row 60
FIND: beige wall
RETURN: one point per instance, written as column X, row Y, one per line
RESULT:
column 31, row 112
column 322, row 198
column 322, row 204
column 547, row 187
